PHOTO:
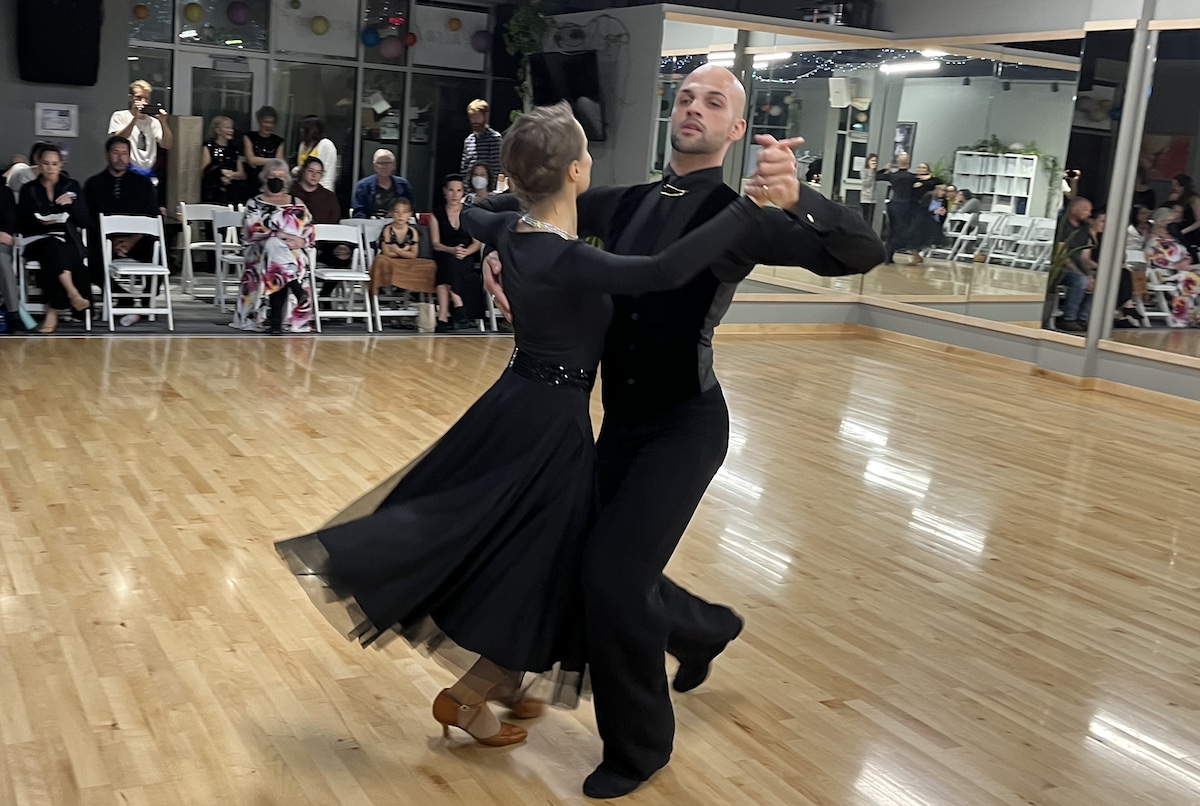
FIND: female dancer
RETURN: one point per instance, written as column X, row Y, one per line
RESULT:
column 477, row 545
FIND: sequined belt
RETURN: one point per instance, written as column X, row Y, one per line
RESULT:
column 534, row 369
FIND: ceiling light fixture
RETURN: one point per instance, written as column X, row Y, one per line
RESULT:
column 911, row 67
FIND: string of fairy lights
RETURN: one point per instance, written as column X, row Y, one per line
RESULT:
column 812, row 63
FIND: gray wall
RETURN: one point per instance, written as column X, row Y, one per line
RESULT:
column 629, row 89
column 96, row 104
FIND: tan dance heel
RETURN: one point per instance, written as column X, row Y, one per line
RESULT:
column 451, row 713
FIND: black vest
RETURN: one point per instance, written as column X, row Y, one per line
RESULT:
column 656, row 353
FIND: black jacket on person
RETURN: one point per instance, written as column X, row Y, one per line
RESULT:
column 8, row 212
column 659, row 346
column 128, row 194
column 34, row 201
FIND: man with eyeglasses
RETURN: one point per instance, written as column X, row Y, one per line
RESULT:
column 373, row 195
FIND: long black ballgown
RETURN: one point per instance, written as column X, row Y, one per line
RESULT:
column 473, row 548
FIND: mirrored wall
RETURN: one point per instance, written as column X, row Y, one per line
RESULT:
column 958, row 156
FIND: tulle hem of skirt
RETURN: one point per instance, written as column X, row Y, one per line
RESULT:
column 308, row 561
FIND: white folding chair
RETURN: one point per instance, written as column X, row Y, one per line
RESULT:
column 25, row 266
column 193, row 215
column 356, row 276
column 127, row 269
column 967, row 243
column 371, row 227
column 956, row 225
column 1002, row 245
column 1034, row 250
column 227, row 228
column 1158, row 287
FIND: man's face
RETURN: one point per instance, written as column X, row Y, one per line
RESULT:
column 478, row 120
column 140, row 98
column 118, row 159
column 707, row 115
column 1081, row 212
column 385, row 167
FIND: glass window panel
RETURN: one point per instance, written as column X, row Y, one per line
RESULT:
column 436, row 131
column 382, row 113
column 153, row 65
column 384, row 30
column 152, row 20
column 238, row 24
column 299, row 90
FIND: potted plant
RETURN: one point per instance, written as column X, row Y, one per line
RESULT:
column 523, row 36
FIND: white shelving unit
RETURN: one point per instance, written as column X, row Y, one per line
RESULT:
column 1003, row 183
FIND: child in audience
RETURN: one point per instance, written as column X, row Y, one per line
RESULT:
column 399, row 239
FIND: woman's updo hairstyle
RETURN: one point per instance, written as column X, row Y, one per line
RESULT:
column 537, row 150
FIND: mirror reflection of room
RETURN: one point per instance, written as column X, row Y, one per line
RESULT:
column 1157, row 304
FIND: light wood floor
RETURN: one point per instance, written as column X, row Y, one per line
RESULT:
column 963, row 586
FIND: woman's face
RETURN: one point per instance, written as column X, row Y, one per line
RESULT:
column 923, row 168
column 276, row 172
column 51, row 164
column 313, row 174
column 225, row 129
column 1175, row 186
column 400, row 214
column 1143, row 217
column 266, row 125
column 453, row 191
column 1099, row 222
column 872, row 163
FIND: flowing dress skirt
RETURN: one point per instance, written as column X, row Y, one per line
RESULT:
column 474, row 547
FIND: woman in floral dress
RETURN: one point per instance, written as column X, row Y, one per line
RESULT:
column 277, row 230
column 1169, row 259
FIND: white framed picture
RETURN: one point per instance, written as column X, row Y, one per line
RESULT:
column 56, row 120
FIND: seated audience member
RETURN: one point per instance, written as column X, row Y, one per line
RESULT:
column 398, row 264
column 373, row 195
column 54, row 205
column 221, row 171
column 459, row 280
column 928, row 227
column 22, row 173
column 481, row 180
column 16, row 318
column 144, row 132
column 1132, row 282
column 260, row 146
column 277, row 232
column 119, row 191
column 967, row 204
column 314, row 143
column 321, row 202
column 1171, row 261
column 1186, row 200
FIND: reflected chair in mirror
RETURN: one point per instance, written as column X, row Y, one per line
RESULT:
column 955, row 228
column 1001, row 245
column 970, row 242
column 1033, row 252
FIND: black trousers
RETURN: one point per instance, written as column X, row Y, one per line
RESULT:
column 652, row 476
column 55, row 257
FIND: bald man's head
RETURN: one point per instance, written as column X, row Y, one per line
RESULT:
column 707, row 117
column 903, row 161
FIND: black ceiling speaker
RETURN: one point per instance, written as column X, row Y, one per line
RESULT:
column 58, row 41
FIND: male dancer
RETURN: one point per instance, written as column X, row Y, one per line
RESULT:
column 666, row 425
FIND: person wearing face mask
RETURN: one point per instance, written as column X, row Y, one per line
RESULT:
column 481, row 181
column 277, row 231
